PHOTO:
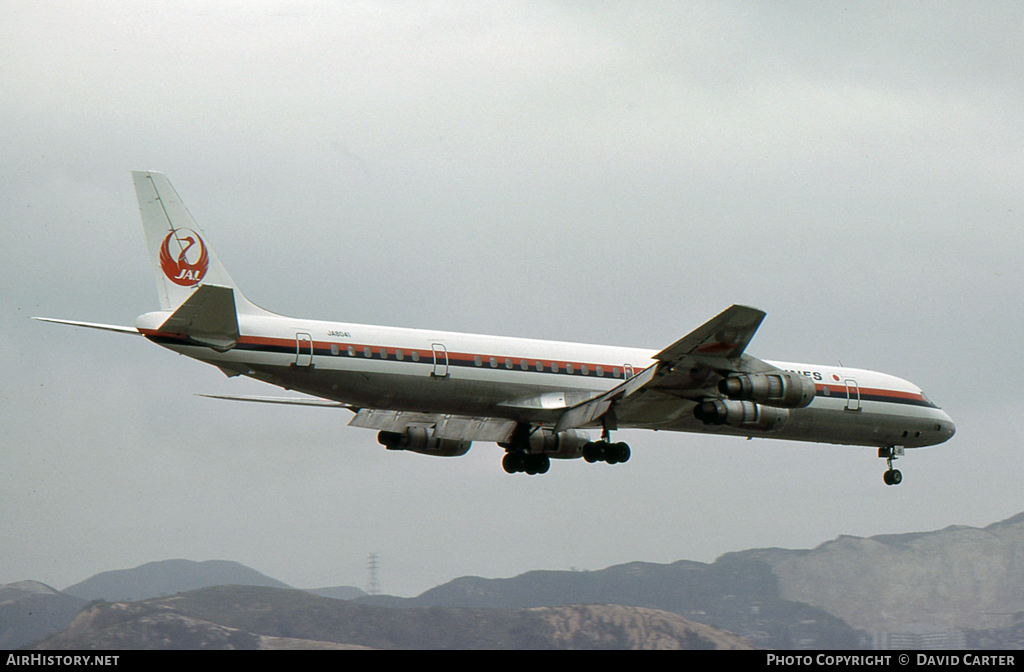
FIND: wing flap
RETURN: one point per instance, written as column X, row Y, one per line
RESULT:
column 457, row 427
column 590, row 411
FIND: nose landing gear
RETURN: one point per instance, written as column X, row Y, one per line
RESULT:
column 891, row 476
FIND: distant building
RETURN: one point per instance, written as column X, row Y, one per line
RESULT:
column 925, row 640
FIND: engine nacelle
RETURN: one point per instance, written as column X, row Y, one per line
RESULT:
column 741, row 414
column 784, row 389
column 565, row 445
column 421, row 440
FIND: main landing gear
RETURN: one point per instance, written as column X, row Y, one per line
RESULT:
column 530, row 452
column 516, row 461
column 605, row 451
column 891, row 476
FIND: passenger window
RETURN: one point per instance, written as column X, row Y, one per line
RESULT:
column 540, row 365
column 584, row 370
column 568, row 368
column 415, row 355
column 383, row 353
column 600, row 372
column 554, row 367
column 367, row 352
column 524, row 365
column 399, row 355
column 508, row 363
column 478, row 361
column 494, row 362
column 334, row 349
column 351, row 351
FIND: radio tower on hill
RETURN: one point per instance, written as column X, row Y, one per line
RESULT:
column 373, row 584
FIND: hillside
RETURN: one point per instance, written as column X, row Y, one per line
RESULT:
column 838, row 595
column 167, row 577
column 738, row 595
column 250, row 617
column 832, row 596
column 958, row 577
column 30, row 610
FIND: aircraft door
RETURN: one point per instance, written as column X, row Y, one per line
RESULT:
column 303, row 350
column 440, row 361
column 852, row 395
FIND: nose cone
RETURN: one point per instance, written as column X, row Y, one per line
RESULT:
column 948, row 428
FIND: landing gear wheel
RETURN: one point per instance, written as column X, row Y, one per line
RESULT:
column 513, row 462
column 611, row 453
column 594, row 451
column 516, row 461
column 603, row 451
column 891, row 476
column 620, row 451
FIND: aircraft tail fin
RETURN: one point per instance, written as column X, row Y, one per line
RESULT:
column 181, row 258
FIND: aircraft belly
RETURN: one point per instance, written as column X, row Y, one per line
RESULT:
column 874, row 425
column 396, row 391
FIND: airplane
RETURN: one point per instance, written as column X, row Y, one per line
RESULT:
column 437, row 392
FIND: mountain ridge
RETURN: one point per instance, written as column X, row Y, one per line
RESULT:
column 834, row 595
column 250, row 617
column 167, row 577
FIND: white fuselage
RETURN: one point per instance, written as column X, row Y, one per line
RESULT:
column 534, row 381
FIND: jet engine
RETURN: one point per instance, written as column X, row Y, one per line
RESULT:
column 741, row 414
column 784, row 389
column 421, row 440
column 565, row 445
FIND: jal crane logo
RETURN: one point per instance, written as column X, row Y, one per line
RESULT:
column 192, row 260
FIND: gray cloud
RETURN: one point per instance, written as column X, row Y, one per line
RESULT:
column 592, row 172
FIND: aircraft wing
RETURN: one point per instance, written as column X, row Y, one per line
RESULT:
column 664, row 394
column 458, row 427
column 723, row 337
column 288, row 401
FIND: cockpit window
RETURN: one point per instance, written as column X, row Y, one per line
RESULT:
column 929, row 401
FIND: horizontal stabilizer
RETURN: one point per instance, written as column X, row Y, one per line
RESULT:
column 91, row 325
column 207, row 317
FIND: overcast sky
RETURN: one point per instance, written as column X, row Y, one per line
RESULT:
column 596, row 172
